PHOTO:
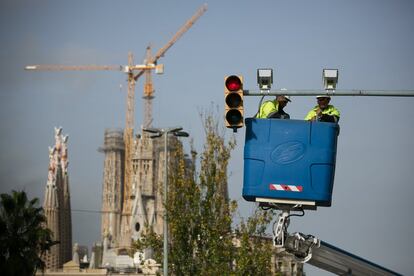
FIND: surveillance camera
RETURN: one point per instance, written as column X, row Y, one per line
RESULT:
column 330, row 78
column 265, row 78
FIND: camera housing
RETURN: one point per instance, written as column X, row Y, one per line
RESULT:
column 265, row 78
column 330, row 78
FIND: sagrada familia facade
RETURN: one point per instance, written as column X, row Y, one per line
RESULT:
column 124, row 219
column 57, row 203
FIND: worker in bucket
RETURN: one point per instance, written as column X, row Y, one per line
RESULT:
column 274, row 109
column 323, row 112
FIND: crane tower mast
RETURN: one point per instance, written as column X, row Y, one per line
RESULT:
column 148, row 92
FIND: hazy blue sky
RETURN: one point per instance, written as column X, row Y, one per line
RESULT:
column 370, row 42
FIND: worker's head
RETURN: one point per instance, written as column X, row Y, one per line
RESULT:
column 282, row 100
column 323, row 101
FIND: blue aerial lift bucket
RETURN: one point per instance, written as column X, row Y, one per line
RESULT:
column 289, row 161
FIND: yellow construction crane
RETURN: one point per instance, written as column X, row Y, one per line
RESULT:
column 149, row 60
column 133, row 72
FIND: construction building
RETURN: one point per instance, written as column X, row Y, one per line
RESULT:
column 57, row 203
column 148, row 159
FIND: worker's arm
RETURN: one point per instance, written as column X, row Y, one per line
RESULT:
column 311, row 115
column 331, row 114
column 266, row 109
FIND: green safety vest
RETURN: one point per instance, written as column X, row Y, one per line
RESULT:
column 266, row 108
column 330, row 110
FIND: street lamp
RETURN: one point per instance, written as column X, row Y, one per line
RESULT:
column 158, row 132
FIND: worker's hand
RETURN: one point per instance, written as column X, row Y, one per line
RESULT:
column 318, row 112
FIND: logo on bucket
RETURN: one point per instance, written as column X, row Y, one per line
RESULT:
column 288, row 152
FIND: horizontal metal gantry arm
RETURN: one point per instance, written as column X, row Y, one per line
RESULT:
column 379, row 93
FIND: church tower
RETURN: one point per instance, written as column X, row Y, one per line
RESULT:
column 57, row 203
column 112, row 188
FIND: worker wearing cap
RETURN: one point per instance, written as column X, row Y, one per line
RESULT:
column 323, row 112
column 274, row 109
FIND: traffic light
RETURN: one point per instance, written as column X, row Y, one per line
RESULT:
column 233, row 97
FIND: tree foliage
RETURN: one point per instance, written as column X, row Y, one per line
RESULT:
column 201, row 239
column 255, row 251
column 23, row 238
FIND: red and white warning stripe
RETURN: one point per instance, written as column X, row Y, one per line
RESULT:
column 287, row 188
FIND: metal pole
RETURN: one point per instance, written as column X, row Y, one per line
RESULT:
column 158, row 133
column 165, row 204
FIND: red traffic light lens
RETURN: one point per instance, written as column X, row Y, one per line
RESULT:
column 233, row 83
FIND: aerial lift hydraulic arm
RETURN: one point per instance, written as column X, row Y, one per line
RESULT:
column 309, row 249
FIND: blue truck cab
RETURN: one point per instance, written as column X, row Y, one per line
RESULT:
column 289, row 161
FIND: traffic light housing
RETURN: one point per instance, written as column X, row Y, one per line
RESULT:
column 233, row 101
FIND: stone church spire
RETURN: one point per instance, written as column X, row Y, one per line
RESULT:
column 57, row 203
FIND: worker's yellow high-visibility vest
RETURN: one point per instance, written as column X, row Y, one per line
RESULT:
column 330, row 110
column 266, row 108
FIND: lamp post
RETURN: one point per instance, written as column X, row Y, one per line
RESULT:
column 158, row 132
